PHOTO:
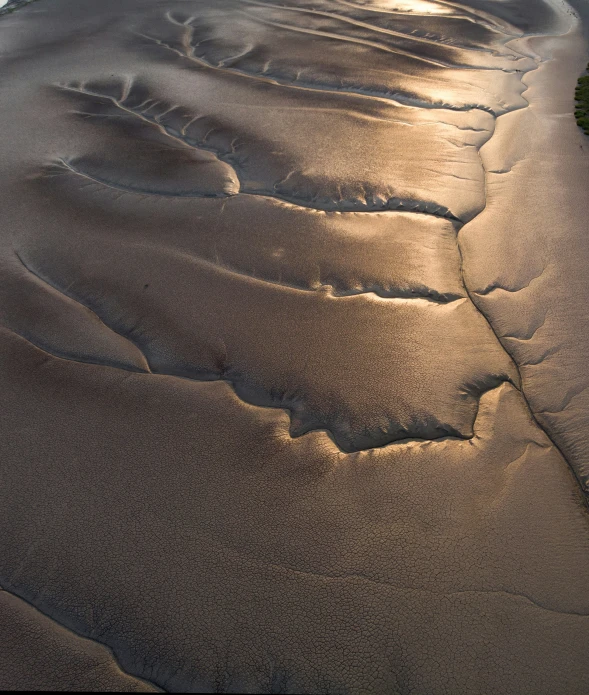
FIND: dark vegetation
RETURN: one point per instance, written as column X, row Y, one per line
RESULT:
column 582, row 102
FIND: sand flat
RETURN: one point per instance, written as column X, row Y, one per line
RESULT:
column 293, row 381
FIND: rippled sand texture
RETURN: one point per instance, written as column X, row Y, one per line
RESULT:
column 265, row 425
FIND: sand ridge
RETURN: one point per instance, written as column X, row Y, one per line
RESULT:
column 267, row 417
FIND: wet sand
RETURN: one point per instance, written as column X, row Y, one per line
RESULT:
column 294, row 339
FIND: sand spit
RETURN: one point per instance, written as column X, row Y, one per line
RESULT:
column 285, row 411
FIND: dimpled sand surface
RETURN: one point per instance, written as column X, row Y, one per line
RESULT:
column 294, row 347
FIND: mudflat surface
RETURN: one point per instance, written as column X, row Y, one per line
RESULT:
column 294, row 347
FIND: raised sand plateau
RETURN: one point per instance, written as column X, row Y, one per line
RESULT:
column 294, row 347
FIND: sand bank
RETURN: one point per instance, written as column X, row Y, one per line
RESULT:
column 265, row 429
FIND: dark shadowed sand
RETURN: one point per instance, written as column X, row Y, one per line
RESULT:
column 295, row 347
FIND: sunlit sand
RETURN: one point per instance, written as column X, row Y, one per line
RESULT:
column 294, row 347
